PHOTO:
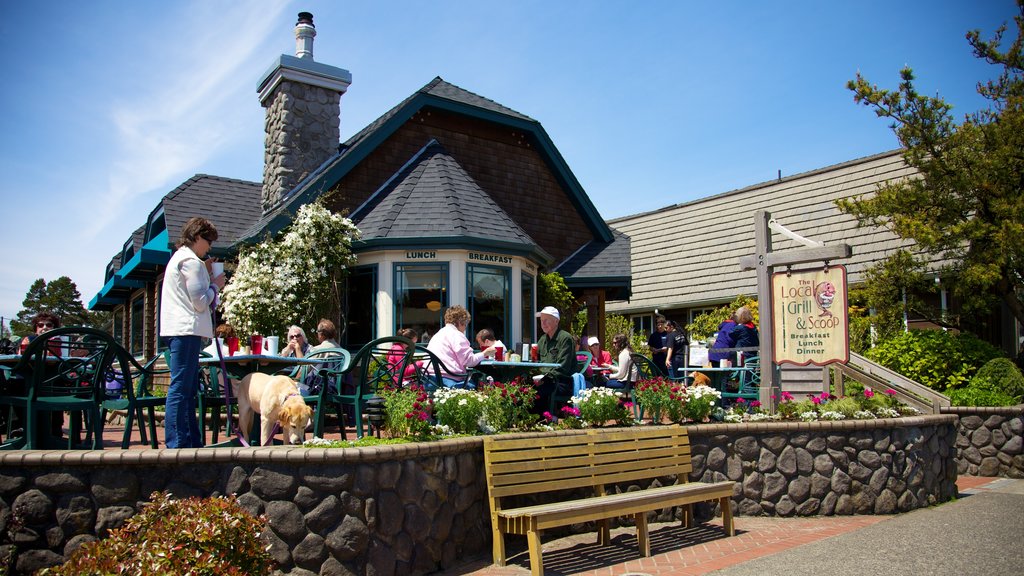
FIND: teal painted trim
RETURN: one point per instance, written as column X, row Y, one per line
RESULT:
column 532, row 252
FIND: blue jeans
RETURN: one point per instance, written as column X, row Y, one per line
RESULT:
column 452, row 383
column 181, row 427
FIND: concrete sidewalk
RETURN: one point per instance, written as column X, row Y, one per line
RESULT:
column 978, row 533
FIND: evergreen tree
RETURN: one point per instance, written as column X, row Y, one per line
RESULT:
column 60, row 297
column 964, row 209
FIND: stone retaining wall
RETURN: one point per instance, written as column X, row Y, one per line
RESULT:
column 990, row 441
column 417, row 508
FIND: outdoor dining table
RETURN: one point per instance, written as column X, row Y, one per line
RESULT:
column 240, row 365
column 505, row 371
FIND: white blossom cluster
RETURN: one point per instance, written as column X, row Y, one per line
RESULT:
column 887, row 413
column 278, row 282
column 698, row 392
column 596, row 394
column 458, row 395
column 832, row 415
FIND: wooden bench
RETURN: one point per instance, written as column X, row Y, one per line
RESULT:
column 594, row 460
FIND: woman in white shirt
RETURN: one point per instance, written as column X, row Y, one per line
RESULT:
column 625, row 373
column 186, row 300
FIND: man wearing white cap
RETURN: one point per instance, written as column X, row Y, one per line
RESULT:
column 555, row 346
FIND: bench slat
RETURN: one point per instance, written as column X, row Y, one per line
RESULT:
column 615, row 505
column 542, row 460
column 633, row 450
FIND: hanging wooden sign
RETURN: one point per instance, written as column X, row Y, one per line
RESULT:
column 810, row 320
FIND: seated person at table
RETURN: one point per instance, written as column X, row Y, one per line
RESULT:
column 598, row 358
column 327, row 333
column 625, row 373
column 397, row 354
column 42, row 323
column 723, row 339
column 297, row 346
column 555, row 346
column 452, row 347
column 224, row 331
column 485, row 339
column 744, row 334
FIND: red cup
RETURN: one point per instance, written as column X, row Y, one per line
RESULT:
column 232, row 345
column 534, row 355
column 256, row 344
column 499, row 353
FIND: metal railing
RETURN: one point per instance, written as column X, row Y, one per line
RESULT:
column 876, row 376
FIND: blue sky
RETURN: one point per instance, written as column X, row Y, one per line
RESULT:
column 111, row 104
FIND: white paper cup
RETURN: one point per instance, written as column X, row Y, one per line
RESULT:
column 216, row 269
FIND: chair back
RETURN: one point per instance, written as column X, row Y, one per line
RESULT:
column 645, row 367
column 318, row 377
column 74, row 361
column 750, row 379
column 381, row 364
column 583, row 360
column 431, row 373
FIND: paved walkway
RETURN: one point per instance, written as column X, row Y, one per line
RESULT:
column 979, row 533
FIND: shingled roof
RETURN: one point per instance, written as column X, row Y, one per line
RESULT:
column 437, row 93
column 232, row 205
column 598, row 264
column 432, row 199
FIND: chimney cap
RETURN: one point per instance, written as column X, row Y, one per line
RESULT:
column 306, row 18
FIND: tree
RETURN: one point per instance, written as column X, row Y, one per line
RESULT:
column 293, row 279
column 553, row 291
column 964, row 209
column 60, row 297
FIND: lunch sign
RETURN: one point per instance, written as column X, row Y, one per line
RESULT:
column 811, row 323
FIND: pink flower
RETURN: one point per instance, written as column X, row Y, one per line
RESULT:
column 755, row 403
column 548, row 416
column 741, row 401
column 868, row 393
column 786, row 396
column 816, row 400
column 890, row 392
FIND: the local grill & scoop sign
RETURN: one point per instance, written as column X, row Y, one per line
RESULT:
column 810, row 319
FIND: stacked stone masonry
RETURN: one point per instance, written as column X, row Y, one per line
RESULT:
column 418, row 508
column 990, row 441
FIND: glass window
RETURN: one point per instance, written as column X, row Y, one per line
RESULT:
column 138, row 323
column 527, row 309
column 643, row 324
column 118, row 328
column 421, row 295
column 694, row 312
column 360, row 308
column 488, row 289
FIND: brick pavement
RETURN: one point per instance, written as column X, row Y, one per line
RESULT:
column 678, row 551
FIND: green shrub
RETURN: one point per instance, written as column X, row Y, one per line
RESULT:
column 935, row 358
column 971, row 396
column 616, row 324
column 998, row 383
column 200, row 536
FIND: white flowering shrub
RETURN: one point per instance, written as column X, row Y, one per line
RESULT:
column 291, row 279
column 599, row 405
column 458, row 409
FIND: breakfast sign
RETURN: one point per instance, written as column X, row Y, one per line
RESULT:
column 810, row 323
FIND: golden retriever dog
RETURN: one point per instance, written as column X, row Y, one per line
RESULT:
column 701, row 379
column 278, row 402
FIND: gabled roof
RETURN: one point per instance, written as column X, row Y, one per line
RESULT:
column 444, row 96
column 687, row 255
column 232, row 205
column 600, row 265
column 434, row 202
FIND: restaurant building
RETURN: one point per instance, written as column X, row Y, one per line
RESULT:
column 459, row 200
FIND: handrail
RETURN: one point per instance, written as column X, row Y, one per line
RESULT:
column 912, row 393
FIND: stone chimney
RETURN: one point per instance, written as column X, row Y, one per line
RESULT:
column 303, row 102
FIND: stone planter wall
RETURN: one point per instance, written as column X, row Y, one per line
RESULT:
column 990, row 441
column 830, row 468
column 417, row 508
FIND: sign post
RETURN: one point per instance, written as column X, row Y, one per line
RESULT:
column 764, row 261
